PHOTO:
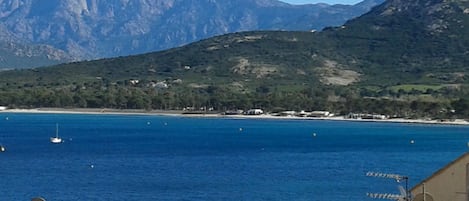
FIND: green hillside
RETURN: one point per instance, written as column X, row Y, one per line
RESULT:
column 406, row 59
column 417, row 41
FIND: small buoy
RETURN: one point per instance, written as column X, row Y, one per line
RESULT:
column 2, row 149
column 91, row 166
column 148, row 123
column 240, row 129
column 412, row 142
column 6, row 118
column 314, row 134
column 165, row 123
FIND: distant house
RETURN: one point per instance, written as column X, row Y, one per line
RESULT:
column 302, row 113
column 319, row 114
column 366, row 116
column 451, row 183
column 134, row 82
column 160, row 85
column 353, row 116
column 254, row 112
column 3, row 108
column 374, row 116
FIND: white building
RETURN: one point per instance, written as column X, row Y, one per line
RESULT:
column 319, row 114
column 254, row 112
column 134, row 82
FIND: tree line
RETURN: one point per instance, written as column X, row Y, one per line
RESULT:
column 338, row 100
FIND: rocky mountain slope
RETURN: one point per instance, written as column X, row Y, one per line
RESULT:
column 17, row 53
column 89, row 29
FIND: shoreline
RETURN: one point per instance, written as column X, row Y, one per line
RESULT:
column 178, row 113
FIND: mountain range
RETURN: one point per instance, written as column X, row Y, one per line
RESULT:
column 66, row 30
column 420, row 41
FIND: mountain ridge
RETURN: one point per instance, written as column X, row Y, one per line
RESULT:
column 17, row 53
column 366, row 41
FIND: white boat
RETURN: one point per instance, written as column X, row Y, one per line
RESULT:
column 56, row 139
column 2, row 148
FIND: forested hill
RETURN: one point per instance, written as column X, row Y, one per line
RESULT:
column 414, row 41
column 403, row 58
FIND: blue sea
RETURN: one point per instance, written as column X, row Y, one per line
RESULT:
column 138, row 157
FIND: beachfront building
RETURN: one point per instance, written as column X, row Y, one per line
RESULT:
column 254, row 112
column 3, row 108
column 320, row 114
column 451, row 183
column 366, row 116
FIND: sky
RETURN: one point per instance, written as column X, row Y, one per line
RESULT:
column 322, row 1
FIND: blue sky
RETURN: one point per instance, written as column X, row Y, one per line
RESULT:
column 322, row 1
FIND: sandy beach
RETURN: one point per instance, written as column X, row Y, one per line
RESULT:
column 219, row 115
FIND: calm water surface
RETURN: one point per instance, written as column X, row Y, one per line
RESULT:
column 111, row 157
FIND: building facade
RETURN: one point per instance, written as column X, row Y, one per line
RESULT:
column 451, row 183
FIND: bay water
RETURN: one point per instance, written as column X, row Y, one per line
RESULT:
column 144, row 157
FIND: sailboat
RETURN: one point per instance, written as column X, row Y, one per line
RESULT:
column 56, row 139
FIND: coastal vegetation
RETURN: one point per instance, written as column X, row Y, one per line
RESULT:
column 415, row 103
